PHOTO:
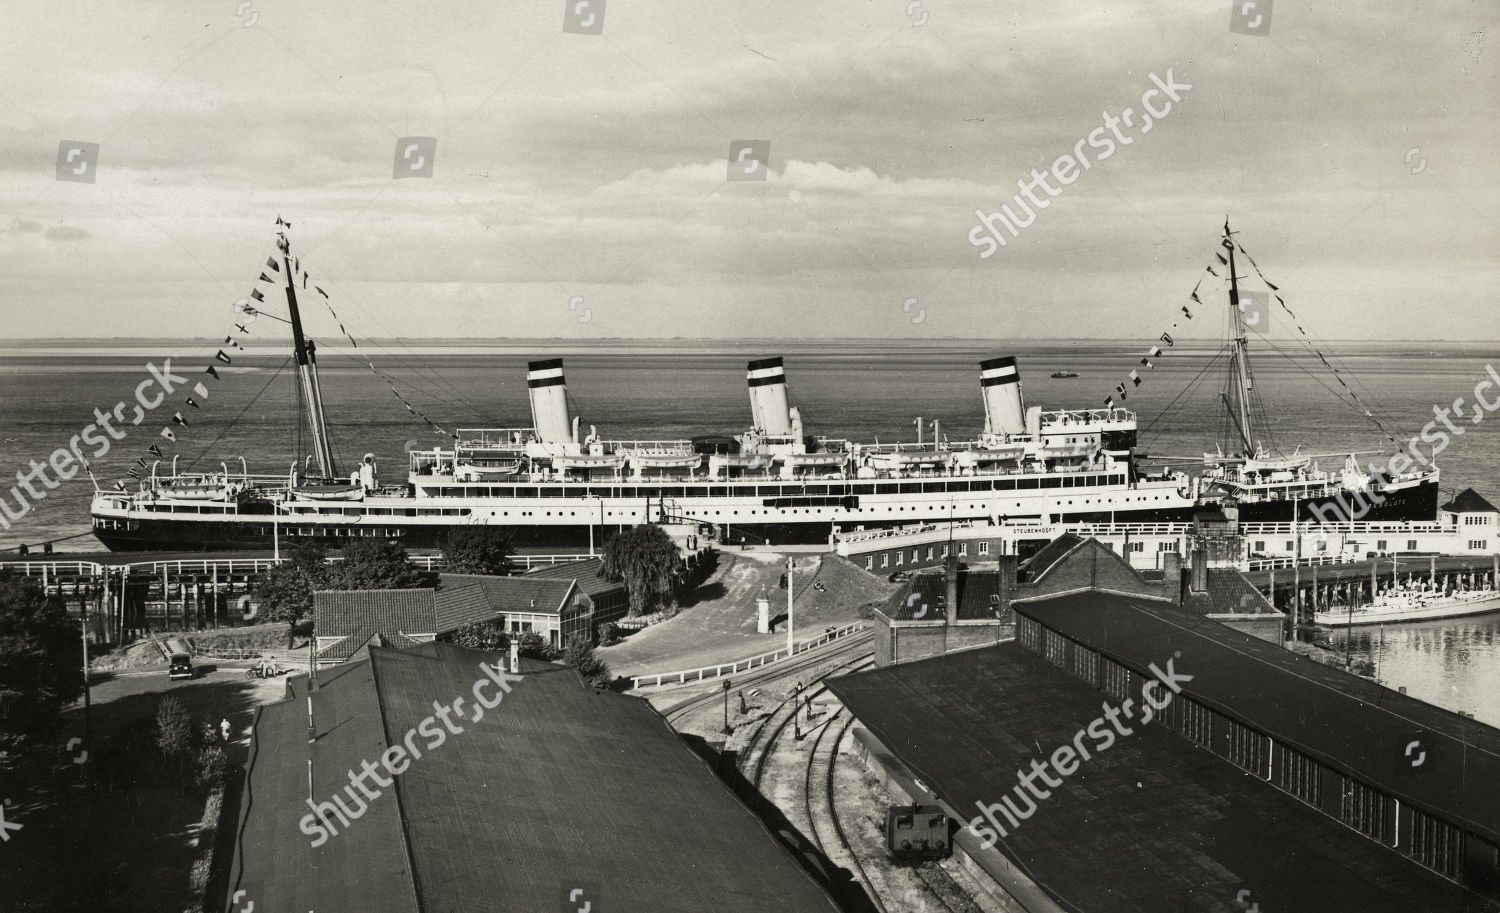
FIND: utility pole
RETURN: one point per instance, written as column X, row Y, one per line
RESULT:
column 790, row 564
column 86, row 730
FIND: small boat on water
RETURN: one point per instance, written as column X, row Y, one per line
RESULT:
column 1064, row 373
column 1412, row 604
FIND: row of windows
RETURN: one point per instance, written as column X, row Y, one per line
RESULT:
column 933, row 553
column 946, row 486
column 1434, row 843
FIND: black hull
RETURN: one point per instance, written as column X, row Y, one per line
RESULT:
column 1417, row 504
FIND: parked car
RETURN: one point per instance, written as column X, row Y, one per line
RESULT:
column 899, row 577
column 182, row 666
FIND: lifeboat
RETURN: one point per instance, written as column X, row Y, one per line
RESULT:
column 642, row 460
column 329, row 491
column 906, row 460
column 472, row 472
column 589, row 462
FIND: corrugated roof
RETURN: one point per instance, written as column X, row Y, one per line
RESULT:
column 559, row 785
column 1333, row 716
column 1150, row 825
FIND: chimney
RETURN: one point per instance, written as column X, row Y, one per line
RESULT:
column 950, row 574
column 1171, row 566
column 1198, row 579
column 1005, row 585
column 515, row 657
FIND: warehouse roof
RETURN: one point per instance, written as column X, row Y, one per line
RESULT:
column 1151, row 825
column 559, row 787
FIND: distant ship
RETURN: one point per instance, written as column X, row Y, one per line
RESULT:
column 1064, row 373
column 552, row 485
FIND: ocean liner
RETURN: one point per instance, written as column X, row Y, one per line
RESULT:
column 553, row 485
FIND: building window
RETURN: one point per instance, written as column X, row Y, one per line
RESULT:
column 1380, row 545
column 984, row 547
column 1116, row 679
column 963, row 549
column 900, row 558
column 1085, row 665
column 1194, row 721
column 929, row 553
column 1260, row 545
column 525, row 627
column 1290, row 545
column 945, row 551
column 1028, row 631
column 1244, row 747
column 1137, row 546
column 885, row 559
column 1479, row 545
column 1411, row 545
column 869, row 562
column 916, row 555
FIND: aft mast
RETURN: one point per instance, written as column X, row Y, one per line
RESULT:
column 307, row 363
column 1239, row 362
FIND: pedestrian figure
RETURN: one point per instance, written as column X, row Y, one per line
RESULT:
column 224, row 728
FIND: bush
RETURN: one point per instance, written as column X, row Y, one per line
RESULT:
column 609, row 634
column 579, row 654
column 477, row 550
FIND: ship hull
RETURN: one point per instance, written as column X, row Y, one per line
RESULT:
column 1432, row 612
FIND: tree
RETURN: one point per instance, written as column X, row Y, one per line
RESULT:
column 579, row 654
column 481, row 635
column 477, row 550
column 174, row 732
column 285, row 591
column 41, row 661
column 374, row 564
column 646, row 559
column 534, row 646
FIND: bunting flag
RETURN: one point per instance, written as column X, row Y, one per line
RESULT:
column 1166, row 338
column 1296, row 322
column 265, row 278
column 1223, row 260
column 212, row 371
column 228, row 340
column 1153, row 352
column 144, row 464
column 201, row 390
column 154, row 450
column 381, row 374
column 135, row 475
column 1120, row 389
column 1187, row 313
column 169, row 434
column 177, row 419
column 271, row 262
column 221, row 357
column 192, row 402
column 289, row 225
column 241, row 328
column 119, row 486
column 1135, row 378
column 1211, row 270
column 1146, row 362
column 1109, row 402
column 255, row 293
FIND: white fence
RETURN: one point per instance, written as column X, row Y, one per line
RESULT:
column 754, row 662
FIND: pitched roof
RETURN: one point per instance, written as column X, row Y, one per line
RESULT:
column 585, row 571
column 1152, row 825
column 560, row 784
column 518, row 594
column 461, row 601
column 1469, row 501
column 355, row 615
column 1043, row 561
column 1229, row 592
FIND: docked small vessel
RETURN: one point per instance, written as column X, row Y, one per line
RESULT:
column 1402, row 603
column 1064, row 373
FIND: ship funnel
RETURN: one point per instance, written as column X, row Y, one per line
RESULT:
column 549, row 401
column 1000, row 384
column 768, row 408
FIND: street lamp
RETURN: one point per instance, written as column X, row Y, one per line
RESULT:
column 727, row 730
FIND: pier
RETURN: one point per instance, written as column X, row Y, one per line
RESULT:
column 1322, row 584
column 121, row 596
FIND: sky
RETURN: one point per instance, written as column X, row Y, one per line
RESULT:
column 578, row 187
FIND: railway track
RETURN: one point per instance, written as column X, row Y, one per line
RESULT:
column 760, row 675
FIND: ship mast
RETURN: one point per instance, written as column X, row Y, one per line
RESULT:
column 1240, row 360
column 307, row 366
